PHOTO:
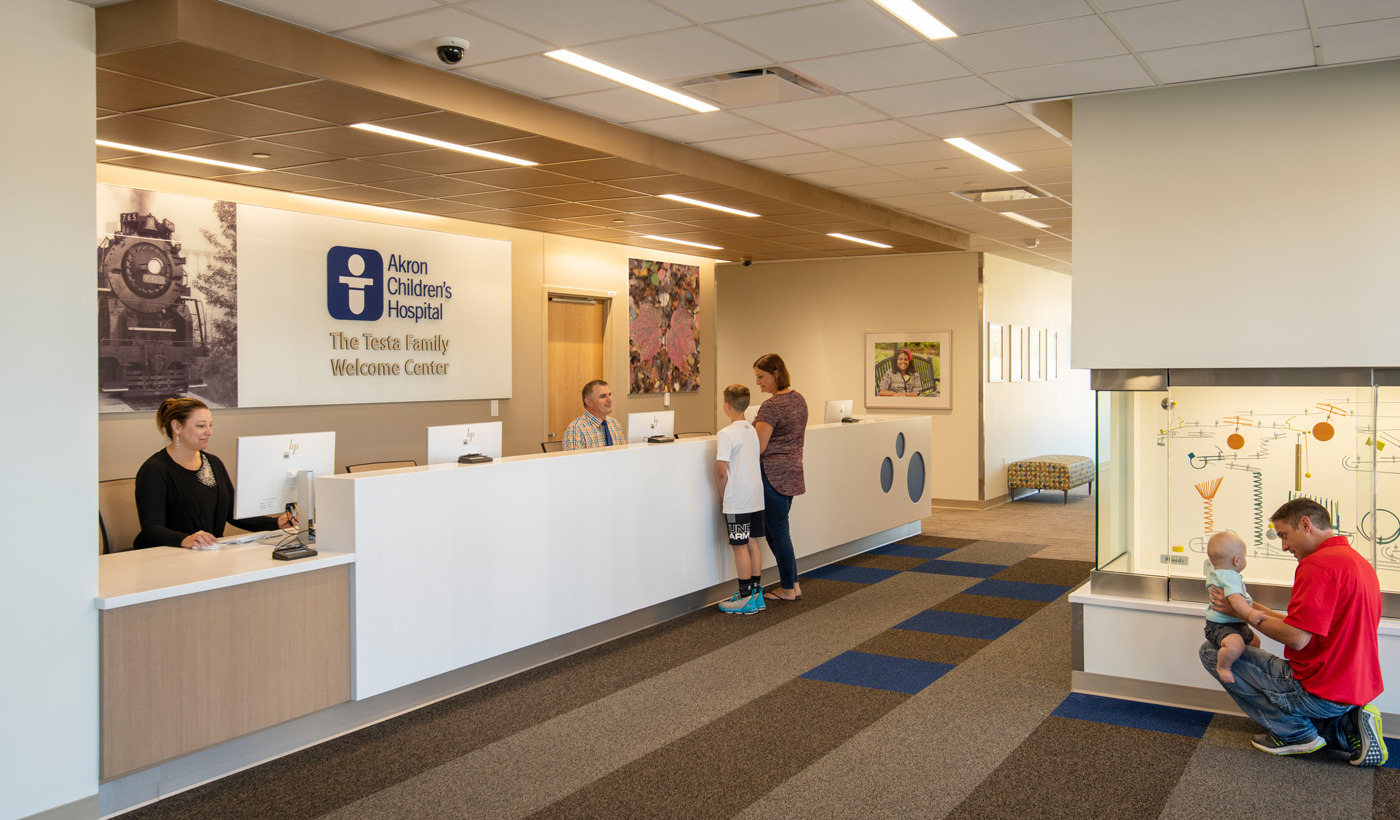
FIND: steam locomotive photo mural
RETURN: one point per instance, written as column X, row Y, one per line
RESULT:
column 154, row 318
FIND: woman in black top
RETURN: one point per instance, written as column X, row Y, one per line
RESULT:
column 184, row 496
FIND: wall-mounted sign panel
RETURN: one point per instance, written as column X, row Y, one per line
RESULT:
column 247, row 306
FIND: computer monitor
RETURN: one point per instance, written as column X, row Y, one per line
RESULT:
column 752, row 412
column 836, row 410
column 641, row 426
column 448, row 442
column 274, row 471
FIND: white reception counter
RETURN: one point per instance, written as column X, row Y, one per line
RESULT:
column 457, row 564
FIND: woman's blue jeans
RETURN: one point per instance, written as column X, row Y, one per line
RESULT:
column 776, row 507
column 1265, row 690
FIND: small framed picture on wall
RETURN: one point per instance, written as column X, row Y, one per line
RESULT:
column 1052, row 356
column 1033, row 357
column 1018, row 355
column 995, row 366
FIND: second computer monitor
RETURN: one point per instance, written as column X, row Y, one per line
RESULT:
column 447, row 443
column 641, row 426
column 836, row 410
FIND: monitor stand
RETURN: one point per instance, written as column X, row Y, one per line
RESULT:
column 300, row 545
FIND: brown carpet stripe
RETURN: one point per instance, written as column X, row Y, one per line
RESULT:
column 716, row 771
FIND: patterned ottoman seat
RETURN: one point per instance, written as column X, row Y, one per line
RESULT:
column 1050, row 473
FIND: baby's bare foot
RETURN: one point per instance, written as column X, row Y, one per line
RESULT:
column 1226, row 676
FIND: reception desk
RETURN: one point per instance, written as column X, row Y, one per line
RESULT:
column 455, row 564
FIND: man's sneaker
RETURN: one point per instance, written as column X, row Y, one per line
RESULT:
column 1372, row 750
column 741, row 606
column 1271, row 744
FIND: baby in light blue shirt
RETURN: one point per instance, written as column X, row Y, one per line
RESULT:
column 1228, row 633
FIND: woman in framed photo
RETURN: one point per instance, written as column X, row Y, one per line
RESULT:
column 902, row 379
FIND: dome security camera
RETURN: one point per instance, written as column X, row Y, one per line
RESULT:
column 746, row 262
column 451, row 49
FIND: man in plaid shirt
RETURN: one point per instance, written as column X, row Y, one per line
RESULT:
column 595, row 428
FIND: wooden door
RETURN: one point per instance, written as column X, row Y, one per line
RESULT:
column 575, row 358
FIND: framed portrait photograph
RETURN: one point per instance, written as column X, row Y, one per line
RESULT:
column 1052, row 356
column 1033, row 357
column 1018, row 341
column 909, row 369
column 995, row 366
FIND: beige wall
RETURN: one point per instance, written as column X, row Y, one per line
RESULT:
column 1028, row 419
column 373, row 432
column 816, row 314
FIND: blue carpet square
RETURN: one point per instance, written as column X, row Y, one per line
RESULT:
column 912, row 551
column 856, row 575
column 1171, row 720
column 1393, row 746
column 880, row 672
column 959, row 568
column 938, row 622
column 1021, row 590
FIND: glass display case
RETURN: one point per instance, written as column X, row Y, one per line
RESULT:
column 1183, row 454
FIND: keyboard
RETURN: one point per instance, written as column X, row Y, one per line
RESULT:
column 247, row 537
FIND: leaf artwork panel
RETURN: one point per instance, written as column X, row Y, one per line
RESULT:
column 663, row 317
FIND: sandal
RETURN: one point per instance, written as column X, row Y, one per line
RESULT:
column 774, row 596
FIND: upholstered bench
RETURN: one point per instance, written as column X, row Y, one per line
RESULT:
column 1050, row 473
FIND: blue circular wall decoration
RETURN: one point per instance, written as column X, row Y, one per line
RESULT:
column 916, row 477
column 899, row 445
column 887, row 474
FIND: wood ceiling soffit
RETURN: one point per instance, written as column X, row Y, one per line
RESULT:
column 282, row 158
column 123, row 92
column 339, row 139
column 283, row 50
column 235, row 117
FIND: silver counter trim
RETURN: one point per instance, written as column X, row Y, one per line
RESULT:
column 1162, row 588
column 1133, row 380
column 1270, row 377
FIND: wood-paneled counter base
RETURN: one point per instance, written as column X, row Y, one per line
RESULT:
column 187, row 672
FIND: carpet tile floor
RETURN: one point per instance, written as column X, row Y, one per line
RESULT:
column 927, row 678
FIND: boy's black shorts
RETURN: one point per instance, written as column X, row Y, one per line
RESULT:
column 743, row 526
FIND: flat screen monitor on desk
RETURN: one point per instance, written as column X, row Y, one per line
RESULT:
column 449, row 442
column 641, row 426
column 752, row 412
column 274, row 471
column 837, row 410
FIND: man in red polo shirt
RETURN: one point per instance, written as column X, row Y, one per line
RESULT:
column 1318, row 695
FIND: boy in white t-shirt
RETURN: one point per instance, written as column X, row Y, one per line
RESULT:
column 741, row 488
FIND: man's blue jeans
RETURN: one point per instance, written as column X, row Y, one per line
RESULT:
column 1265, row 690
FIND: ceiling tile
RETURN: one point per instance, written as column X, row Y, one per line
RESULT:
column 604, row 169
column 969, row 122
column 908, row 152
column 354, row 170
column 435, row 186
column 807, row 163
column 971, row 18
column 1063, row 41
column 561, row 210
column 669, row 184
column 121, row 92
column 200, row 69
column 1189, row 22
column 679, row 54
column 850, row 176
column 967, row 167
column 1232, row 57
column 709, row 11
column 148, row 133
column 235, row 117
column 712, row 125
column 437, row 161
column 541, row 150
column 766, row 145
column 241, row 151
column 339, row 14
column 1046, row 176
column 621, row 105
column 411, row 37
column 505, row 199
column 342, row 141
column 444, row 125
column 166, row 165
column 880, row 190
column 280, row 181
column 589, row 191
column 819, row 31
column 1341, row 12
column 823, row 112
column 882, row 68
column 570, row 24
column 934, row 97
column 861, row 135
column 1361, row 41
column 1119, row 5
column 1067, row 79
column 516, row 177
column 1031, row 160
column 1026, row 139
column 363, row 194
column 537, row 76
column 334, row 102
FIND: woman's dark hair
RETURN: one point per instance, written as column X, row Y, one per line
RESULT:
column 773, row 363
column 172, row 410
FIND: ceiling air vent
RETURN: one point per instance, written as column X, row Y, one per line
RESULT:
column 755, row 86
column 1002, row 194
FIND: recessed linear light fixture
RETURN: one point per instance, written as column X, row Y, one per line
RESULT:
column 917, row 18
column 1024, row 220
column 618, row 76
column 711, row 205
column 185, row 157
column 857, row 239
column 682, row 242
column 451, row 146
column 983, row 154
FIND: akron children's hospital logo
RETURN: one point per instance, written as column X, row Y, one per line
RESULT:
column 355, row 284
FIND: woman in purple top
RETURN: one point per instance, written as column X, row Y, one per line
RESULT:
column 782, row 430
